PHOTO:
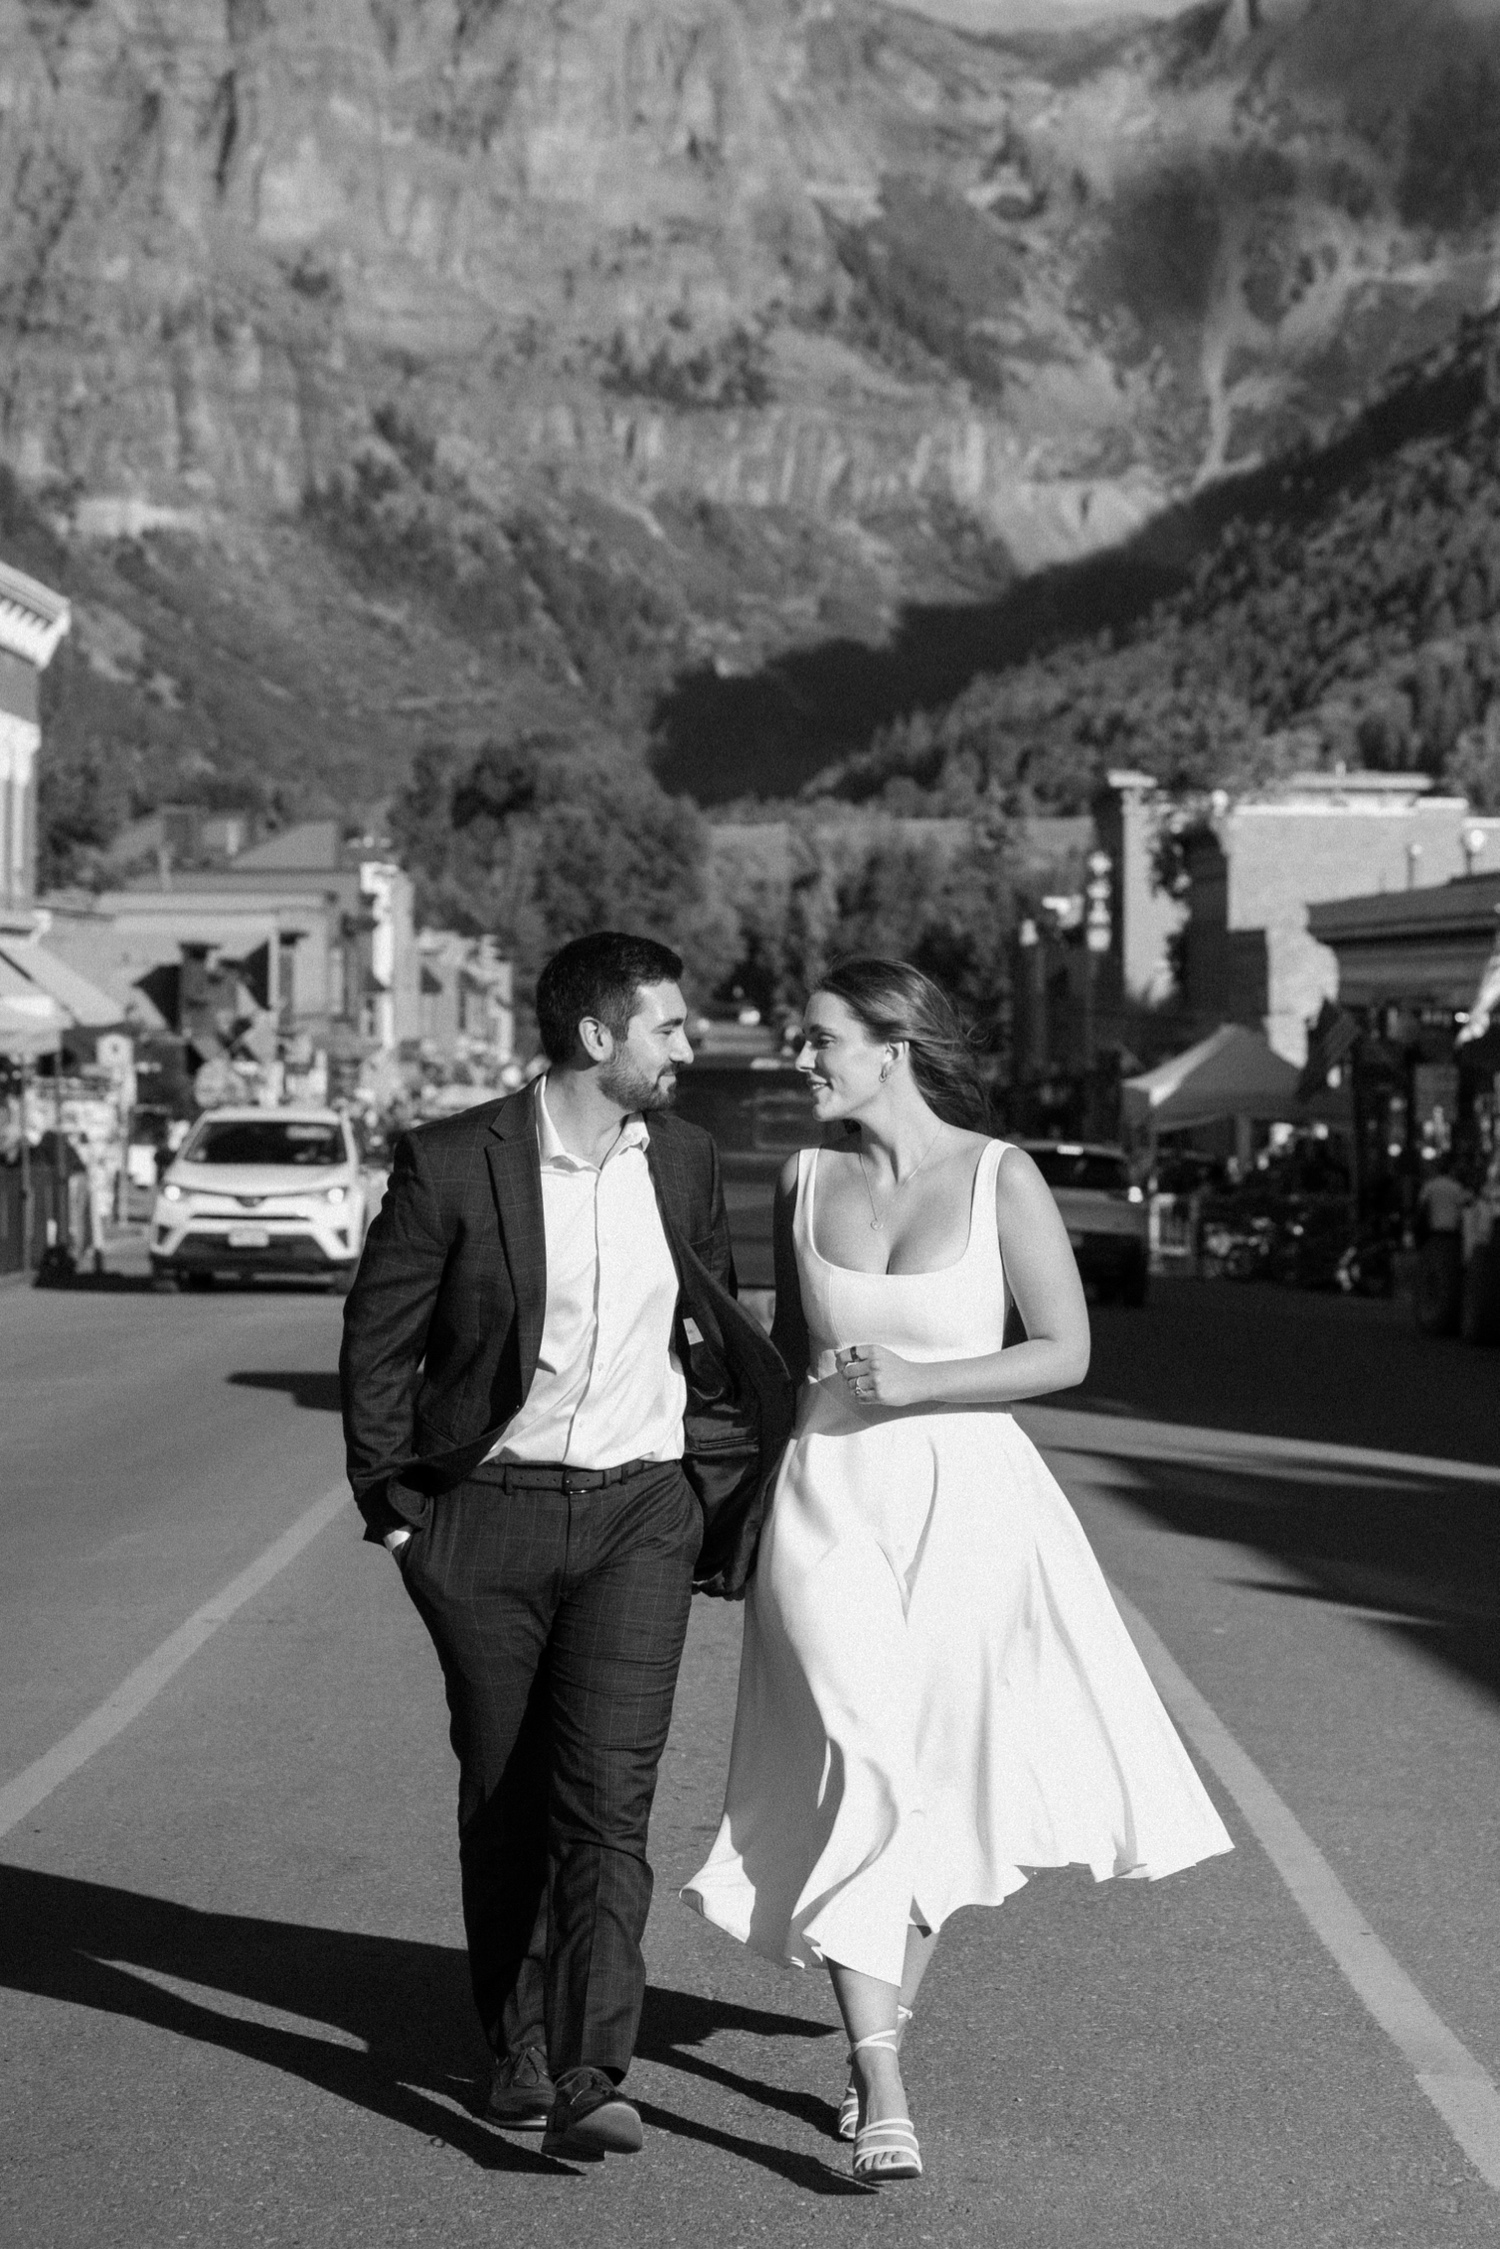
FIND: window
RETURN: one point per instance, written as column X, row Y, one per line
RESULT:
column 265, row 1140
column 784, row 1121
column 1091, row 1168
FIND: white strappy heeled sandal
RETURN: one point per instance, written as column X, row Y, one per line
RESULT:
column 849, row 2106
column 886, row 2147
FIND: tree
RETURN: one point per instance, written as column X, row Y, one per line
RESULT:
column 538, row 842
column 1475, row 764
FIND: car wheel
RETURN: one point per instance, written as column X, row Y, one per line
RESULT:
column 199, row 1281
column 1133, row 1287
column 163, row 1280
column 342, row 1280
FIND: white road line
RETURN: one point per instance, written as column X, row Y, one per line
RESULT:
column 1072, row 1430
column 22, row 1795
column 1459, row 2089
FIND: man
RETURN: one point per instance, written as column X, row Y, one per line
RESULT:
column 557, row 1416
column 1442, row 1201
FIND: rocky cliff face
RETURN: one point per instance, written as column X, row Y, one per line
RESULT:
column 752, row 318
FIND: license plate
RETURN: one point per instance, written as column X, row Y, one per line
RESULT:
column 249, row 1237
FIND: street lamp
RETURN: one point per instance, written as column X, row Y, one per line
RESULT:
column 1097, row 933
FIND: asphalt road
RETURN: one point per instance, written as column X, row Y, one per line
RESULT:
column 233, row 2006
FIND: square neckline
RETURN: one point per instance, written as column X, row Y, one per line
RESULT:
column 864, row 1273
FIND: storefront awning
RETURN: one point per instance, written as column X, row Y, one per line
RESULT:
column 31, row 1023
column 41, row 999
column 84, row 1004
column 1231, row 1073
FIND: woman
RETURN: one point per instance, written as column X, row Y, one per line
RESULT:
column 936, row 1689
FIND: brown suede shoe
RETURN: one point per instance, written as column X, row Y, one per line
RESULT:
column 521, row 2093
column 591, row 2118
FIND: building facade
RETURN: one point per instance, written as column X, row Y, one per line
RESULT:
column 1417, row 1067
column 33, row 619
column 306, row 942
column 468, row 1014
column 1255, row 865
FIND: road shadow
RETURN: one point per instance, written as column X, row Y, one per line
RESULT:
column 1416, row 1556
column 675, row 2023
column 319, row 1392
column 86, row 1282
column 1293, row 1363
column 1395, row 1542
column 396, row 2014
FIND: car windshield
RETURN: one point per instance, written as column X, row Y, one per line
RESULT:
column 1081, row 1167
column 784, row 1121
column 265, row 1140
column 748, row 1111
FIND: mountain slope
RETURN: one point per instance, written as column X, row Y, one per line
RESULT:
column 1345, row 609
column 496, row 366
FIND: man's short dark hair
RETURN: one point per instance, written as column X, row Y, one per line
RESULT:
column 599, row 975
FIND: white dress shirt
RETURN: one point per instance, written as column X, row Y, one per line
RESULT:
column 608, row 1386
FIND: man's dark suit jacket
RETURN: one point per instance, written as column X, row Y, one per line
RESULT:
column 444, row 1322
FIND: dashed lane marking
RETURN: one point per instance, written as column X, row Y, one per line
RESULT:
column 21, row 1796
column 1463, row 2094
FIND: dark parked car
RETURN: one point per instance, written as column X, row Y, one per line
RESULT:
column 758, row 1112
column 1104, row 1211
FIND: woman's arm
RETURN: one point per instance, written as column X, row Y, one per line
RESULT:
column 1043, row 1280
column 789, row 1327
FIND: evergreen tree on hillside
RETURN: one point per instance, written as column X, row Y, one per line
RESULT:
column 1351, row 602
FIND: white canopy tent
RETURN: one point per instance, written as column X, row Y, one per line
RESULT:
column 1486, row 1003
column 1232, row 1073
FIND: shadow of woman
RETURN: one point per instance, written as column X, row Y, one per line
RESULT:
column 673, row 2021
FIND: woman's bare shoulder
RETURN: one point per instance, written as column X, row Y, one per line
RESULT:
column 1019, row 1185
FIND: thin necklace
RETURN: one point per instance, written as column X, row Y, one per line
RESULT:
column 877, row 1223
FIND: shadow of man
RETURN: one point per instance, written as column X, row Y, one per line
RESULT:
column 391, row 2007
column 394, row 2013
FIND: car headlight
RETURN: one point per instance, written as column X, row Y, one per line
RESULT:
column 1134, row 1195
column 335, row 1194
column 171, row 1193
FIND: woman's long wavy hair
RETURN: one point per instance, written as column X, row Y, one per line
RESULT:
column 893, row 1000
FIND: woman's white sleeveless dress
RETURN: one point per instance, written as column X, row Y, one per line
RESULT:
column 936, row 1689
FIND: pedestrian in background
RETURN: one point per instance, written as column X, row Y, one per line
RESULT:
column 557, row 1418
column 1442, row 1202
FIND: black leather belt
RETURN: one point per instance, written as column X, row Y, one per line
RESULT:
column 554, row 1476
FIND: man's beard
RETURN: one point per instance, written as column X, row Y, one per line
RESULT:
column 635, row 1088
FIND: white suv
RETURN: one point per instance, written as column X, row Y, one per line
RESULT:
column 1104, row 1211
column 261, row 1191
